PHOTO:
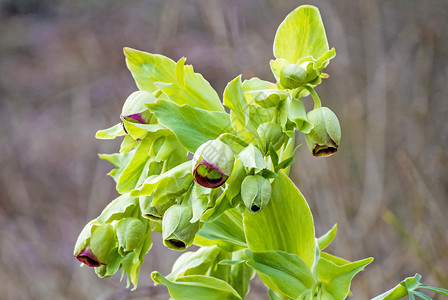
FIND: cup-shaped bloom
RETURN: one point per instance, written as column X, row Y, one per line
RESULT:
column 271, row 133
column 94, row 250
column 256, row 192
column 324, row 138
column 134, row 109
column 212, row 164
column 177, row 230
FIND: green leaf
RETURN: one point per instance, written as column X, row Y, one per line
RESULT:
column 228, row 227
column 256, row 83
column 119, row 160
column 285, row 224
column 435, row 289
column 191, row 88
column 194, row 263
column 128, row 144
column 121, row 207
column 233, row 141
column 421, row 295
column 234, row 182
column 134, row 171
column 398, row 292
column 192, row 126
column 147, row 68
column 287, row 273
column 334, row 259
column 301, row 34
column 110, row 133
column 274, row 155
column 273, row 296
column 337, row 279
column 266, row 98
column 239, row 111
column 197, row 287
column 240, row 274
column 327, row 238
column 167, row 185
column 287, row 151
column 297, row 114
column 251, row 157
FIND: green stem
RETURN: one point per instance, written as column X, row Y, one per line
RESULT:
column 317, row 102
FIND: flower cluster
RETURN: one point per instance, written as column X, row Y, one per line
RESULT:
column 197, row 174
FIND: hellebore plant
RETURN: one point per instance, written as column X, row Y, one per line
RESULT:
column 234, row 198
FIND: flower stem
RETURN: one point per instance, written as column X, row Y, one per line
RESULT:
column 313, row 94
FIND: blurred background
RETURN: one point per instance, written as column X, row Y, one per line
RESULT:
column 63, row 77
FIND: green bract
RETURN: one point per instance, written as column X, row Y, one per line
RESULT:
column 197, row 174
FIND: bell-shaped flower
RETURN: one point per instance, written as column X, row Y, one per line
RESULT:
column 94, row 244
column 212, row 164
column 134, row 109
column 255, row 192
column 177, row 230
column 324, row 138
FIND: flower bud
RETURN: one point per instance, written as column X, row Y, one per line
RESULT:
column 177, row 231
column 134, row 109
column 212, row 164
column 271, row 133
column 292, row 76
column 96, row 248
column 324, row 138
column 256, row 192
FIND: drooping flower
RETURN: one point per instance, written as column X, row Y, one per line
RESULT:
column 134, row 109
column 212, row 164
column 94, row 244
column 88, row 258
column 324, row 138
column 177, row 230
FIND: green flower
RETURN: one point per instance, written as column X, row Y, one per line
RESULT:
column 324, row 138
column 135, row 110
column 94, row 244
column 177, row 230
column 256, row 192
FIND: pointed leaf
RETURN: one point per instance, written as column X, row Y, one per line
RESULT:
column 147, row 68
column 337, row 279
column 301, row 34
column 327, row 238
column 110, row 133
column 197, row 287
column 285, row 224
column 192, row 126
column 289, row 274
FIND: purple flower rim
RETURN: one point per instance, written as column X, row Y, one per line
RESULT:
column 206, row 182
column 88, row 258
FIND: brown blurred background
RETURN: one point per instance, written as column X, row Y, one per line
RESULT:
column 63, row 77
